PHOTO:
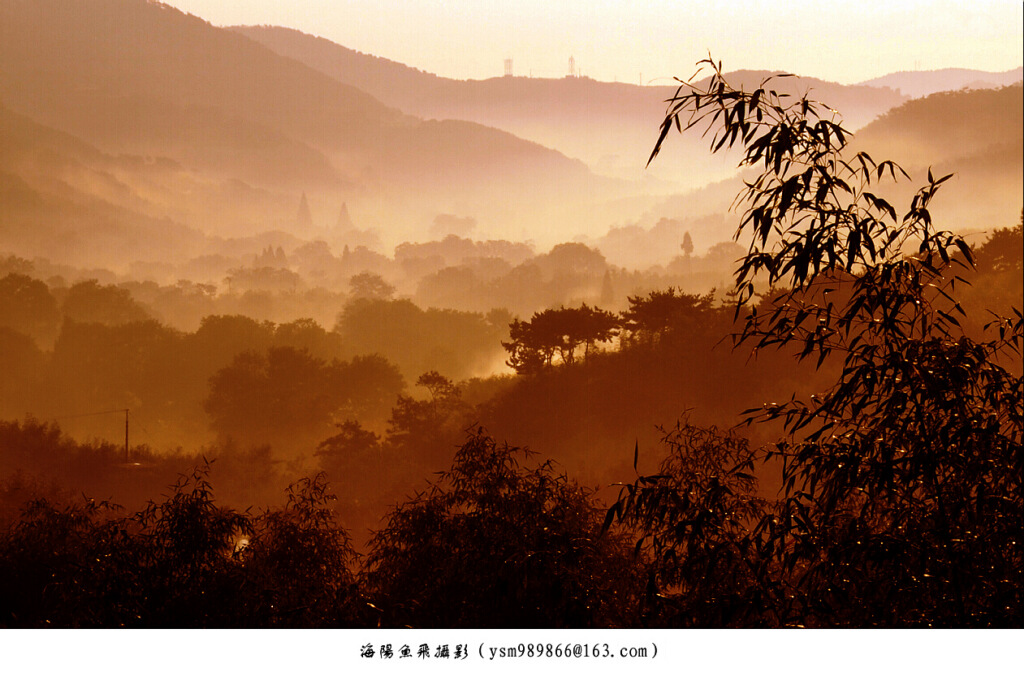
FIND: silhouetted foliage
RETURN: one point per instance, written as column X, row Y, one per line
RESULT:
column 183, row 562
column 298, row 563
column 1003, row 252
column 495, row 543
column 696, row 518
column 305, row 333
column 351, row 440
column 22, row 365
column 422, row 427
column 534, row 344
column 90, row 302
column 455, row 343
column 286, row 393
column 902, row 482
column 186, row 557
column 368, row 285
column 27, row 306
column 55, row 566
column 651, row 318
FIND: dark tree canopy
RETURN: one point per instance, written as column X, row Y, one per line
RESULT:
column 558, row 334
column 285, row 394
column 26, row 305
column 91, row 302
column 902, row 496
column 499, row 544
column 651, row 317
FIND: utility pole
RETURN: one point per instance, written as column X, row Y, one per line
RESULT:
column 126, row 436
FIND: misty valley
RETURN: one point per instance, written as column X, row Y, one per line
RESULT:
column 296, row 336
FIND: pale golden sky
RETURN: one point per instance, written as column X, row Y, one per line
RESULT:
column 841, row 40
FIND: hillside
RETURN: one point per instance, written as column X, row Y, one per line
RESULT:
column 62, row 198
column 922, row 83
column 975, row 134
column 141, row 78
column 610, row 126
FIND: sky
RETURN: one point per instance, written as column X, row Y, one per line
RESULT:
column 840, row 40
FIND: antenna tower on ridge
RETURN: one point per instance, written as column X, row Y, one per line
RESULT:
column 508, row 67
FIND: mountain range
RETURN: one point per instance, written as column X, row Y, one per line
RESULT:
column 609, row 125
column 134, row 131
column 139, row 78
column 922, row 83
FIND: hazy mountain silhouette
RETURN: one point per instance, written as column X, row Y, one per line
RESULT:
column 610, row 126
column 131, row 76
column 61, row 197
column 975, row 134
column 923, row 83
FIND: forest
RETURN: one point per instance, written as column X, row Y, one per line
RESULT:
column 890, row 497
column 788, row 395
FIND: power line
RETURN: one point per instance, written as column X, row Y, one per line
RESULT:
column 96, row 414
column 87, row 414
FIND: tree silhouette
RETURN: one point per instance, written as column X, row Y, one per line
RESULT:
column 417, row 426
column 90, row 302
column 26, row 305
column 367, row 285
column 650, row 318
column 287, row 397
column 557, row 333
column 694, row 518
column 298, row 563
column 902, row 482
column 495, row 543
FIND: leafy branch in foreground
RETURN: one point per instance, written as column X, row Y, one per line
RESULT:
column 695, row 517
column 902, row 483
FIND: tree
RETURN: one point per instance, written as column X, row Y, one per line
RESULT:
column 552, row 333
column 90, row 302
column 496, row 543
column 27, row 306
column 56, row 567
column 694, row 518
column 306, row 333
column 650, row 318
column 183, row 562
column 456, row 343
column 902, row 482
column 299, row 563
column 284, row 396
column 1004, row 250
column 572, row 260
column 687, row 245
column 367, row 285
column 21, row 364
column 350, row 457
column 417, row 426
column 186, row 558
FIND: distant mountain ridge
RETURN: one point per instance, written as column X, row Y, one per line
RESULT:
column 922, row 83
column 949, row 125
column 130, row 116
column 610, row 126
column 977, row 135
column 63, row 198
column 141, row 78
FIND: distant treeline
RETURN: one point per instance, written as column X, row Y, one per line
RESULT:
column 309, row 280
